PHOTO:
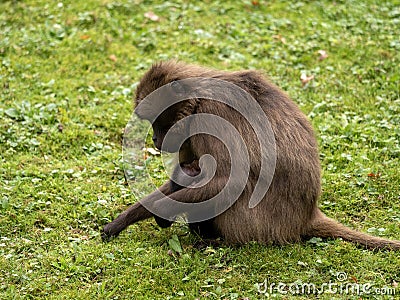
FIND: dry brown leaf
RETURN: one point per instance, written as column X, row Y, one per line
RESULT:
column 322, row 54
column 152, row 16
column 306, row 79
column 280, row 38
column 113, row 57
column 374, row 175
column 354, row 279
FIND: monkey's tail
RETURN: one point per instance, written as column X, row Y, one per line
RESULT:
column 325, row 227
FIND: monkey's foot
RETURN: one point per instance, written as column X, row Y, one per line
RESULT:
column 163, row 223
column 204, row 243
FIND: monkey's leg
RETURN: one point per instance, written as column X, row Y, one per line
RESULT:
column 204, row 243
column 136, row 213
column 205, row 229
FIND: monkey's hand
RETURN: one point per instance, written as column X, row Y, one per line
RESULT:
column 109, row 232
column 132, row 215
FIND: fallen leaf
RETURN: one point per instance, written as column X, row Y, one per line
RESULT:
column 374, row 175
column 306, row 79
column 12, row 113
column 152, row 151
column 152, row 16
column 280, row 38
column 113, row 57
column 227, row 270
column 322, row 54
column 354, row 279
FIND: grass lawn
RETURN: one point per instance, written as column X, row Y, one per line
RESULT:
column 68, row 71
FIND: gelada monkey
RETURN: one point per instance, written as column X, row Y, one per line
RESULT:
column 288, row 211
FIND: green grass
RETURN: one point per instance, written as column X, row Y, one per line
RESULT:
column 67, row 78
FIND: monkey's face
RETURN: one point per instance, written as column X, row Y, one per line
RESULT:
column 163, row 100
column 166, row 136
column 171, row 144
column 159, row 133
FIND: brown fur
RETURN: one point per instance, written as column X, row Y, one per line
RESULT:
column 289, row 211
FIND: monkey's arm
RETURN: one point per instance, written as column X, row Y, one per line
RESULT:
column 135, row 213
column 159, row 200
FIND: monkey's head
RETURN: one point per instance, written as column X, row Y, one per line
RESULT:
column 166, row 72
column 165, row 125
column 158, row 105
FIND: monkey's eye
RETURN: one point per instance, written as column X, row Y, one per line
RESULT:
column 177, row 87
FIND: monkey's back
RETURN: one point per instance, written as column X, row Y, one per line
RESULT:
column 290, row 202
